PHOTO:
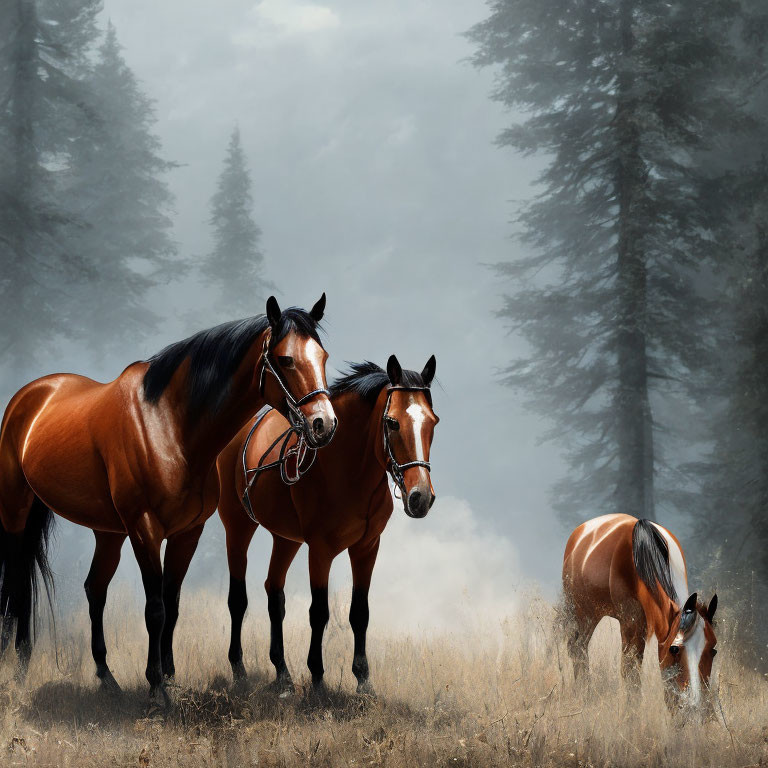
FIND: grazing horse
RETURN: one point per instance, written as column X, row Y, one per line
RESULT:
column 634, row 570
column 386, row 423
column 136, row 458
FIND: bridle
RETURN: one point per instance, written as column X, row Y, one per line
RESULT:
column 295, row 416
column 395, row 469
column 304, row 453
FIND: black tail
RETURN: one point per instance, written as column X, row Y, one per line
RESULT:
column 23, row 562
column 651, row 556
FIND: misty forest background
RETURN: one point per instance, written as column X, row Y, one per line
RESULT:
column 639, row 279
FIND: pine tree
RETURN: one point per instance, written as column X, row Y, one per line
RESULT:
column 235, row 265
column 731, row 511
column 42, row 50
column 121, row 204
column 618, row 96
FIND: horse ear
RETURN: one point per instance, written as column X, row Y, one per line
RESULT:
column 688, row 615
column 394, row 371
column 429, row 371
column 273, row 311
column 711, row 608
column 317, row 312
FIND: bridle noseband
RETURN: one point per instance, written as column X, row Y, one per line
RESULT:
column 305, row 453
column 397, row 470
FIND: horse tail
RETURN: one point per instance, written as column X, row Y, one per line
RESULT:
column 650, row 554
column 23, row 564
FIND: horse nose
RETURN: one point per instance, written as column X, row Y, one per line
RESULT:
column 323, row 430
column 417, row 503
column 431, row 500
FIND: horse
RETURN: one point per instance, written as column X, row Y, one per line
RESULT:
column 386, row 424
column 135, row 458
column 634, row 570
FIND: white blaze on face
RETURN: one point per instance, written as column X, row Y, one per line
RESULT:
column 313, row 354
column 694, row 648
column 418, row 417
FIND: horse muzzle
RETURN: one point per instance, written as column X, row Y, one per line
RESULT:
column 320, row 423
column 419, row 501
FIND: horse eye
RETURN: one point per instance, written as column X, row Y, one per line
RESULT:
column 674, row 649
column 392, row 424
column 286, row 361
column 714, row 652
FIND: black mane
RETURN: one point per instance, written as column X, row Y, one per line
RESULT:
column 651, row 557
column 368, row 379
column 214, row 355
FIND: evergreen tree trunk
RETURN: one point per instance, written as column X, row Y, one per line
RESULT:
column 634, row 433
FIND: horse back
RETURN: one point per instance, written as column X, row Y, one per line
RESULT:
column 598, row 568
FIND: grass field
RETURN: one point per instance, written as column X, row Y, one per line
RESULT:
column 500, row 694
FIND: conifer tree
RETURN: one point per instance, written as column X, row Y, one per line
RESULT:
column 619, row 97
column 121, row 204
column 235, row 265
column 42, row 96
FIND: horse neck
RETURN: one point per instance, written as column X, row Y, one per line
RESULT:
column 660, row 615
column 360, row 435
column 206, row 438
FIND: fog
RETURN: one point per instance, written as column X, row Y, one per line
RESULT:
column 369, row 138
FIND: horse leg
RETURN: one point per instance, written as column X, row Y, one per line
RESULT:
column 146, row 538
column 319, row 568
column 238, row 542
column 362, row 560
column 178, row 554
column 582, row 627
column 632, row 649
column 283, row 552
column 106, row 558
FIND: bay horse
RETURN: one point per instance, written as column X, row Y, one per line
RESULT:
column 634, row 570
column 386, row 424
column 136, row 458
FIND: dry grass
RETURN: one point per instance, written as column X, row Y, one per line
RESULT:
column 496, row 696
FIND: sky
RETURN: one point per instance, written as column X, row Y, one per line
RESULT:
column 370, row 139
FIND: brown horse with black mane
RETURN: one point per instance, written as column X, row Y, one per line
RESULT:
column 634, row 570
column 386, row 424
column 136, row 457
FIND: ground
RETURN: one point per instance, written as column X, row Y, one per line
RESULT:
column 498, row 694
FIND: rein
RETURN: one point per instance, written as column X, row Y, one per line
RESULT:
column 397, row 470
column 305, row 454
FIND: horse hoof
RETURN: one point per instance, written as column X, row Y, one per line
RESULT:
column 364, row 688
column 109, row 685
column 285, row 687
column 159, row 701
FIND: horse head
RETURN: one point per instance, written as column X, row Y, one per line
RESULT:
column 409, row 423
column 295, row 358
column 687, row 653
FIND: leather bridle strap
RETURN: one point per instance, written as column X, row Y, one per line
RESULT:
column 302, row 450
column 295, row 415
column 396, row 469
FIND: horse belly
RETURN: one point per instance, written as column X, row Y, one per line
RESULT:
column 69, row 477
